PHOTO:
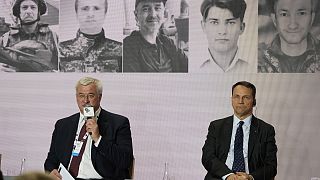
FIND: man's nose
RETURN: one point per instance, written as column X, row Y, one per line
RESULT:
column 152, row 12
column 293, row 22
column 222, row 29
column 86, row 99
column 241, row 100
column 28, row 10
column 91, row 13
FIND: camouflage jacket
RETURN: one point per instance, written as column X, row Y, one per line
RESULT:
column 272, row 60
column 35, row 52
column 87, row 53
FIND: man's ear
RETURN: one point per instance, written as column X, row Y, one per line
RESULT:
column 135, row 12
column 166, row 13
column 242, row 27
column 203, row 25
column 312, row 17
column 273, row 18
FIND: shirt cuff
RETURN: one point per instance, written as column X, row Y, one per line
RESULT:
column 96, row 144
column 225, row 176
column 251, row 177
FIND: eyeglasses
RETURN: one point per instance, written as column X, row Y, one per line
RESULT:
column 241, row 98
column 86, row 96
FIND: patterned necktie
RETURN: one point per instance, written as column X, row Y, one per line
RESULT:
column 75, row 162
column 238, row 161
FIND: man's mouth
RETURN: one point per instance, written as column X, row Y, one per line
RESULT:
column 28, row 17
column 222, row 39
column 293, row 32
column 152, row 20
column 90, row 21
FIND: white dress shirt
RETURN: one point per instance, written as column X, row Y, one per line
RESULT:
column 246, row 132
column 86, row 169
column 210, row 66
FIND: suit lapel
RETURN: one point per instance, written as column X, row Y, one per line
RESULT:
column 72, row 129
column 227, row 136
column 103, row 121
column 253, row 136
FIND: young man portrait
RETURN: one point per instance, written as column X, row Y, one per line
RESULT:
column 90, row 51
column 223, row 24
column 294, row 49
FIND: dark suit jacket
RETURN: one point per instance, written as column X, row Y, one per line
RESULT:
column 111, row 159
column 262, row 149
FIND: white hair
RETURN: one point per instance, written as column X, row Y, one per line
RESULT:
column 89, row 80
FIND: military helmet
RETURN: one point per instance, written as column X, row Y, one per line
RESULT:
column 42, row 7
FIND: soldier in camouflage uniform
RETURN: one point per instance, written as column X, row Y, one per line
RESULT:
column 91, row 51
column 294, row 49
column 273, row 60
column 31, row 45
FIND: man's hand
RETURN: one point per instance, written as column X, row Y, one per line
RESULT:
column 93, row 129
column 232, row 177
column 244, row 176
column 55, row 174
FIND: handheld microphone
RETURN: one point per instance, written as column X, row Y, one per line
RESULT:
column 88, row 112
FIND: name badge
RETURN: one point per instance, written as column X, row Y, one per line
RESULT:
column 76, row 148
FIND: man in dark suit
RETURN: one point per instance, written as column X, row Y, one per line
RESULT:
column 1, row 175
column 104, row 152
column 256, row 152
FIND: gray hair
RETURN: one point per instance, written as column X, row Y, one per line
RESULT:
column 90, row 80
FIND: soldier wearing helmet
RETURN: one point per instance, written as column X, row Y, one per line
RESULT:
column 31, row 44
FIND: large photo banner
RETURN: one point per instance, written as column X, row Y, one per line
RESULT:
column 170, row 72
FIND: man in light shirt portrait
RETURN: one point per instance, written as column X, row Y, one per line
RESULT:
column 222, row 24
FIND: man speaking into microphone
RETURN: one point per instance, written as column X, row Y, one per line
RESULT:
column 91, row 145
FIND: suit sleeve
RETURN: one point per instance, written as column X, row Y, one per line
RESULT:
column 118, row 148
column 268, row 170
column 52, row 161
column 210, row 159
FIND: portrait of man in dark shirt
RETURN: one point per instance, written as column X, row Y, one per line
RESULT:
column 146, row 50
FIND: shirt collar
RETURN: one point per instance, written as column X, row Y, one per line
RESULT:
column 97, row 37
column 276, row 47
column 247, row 121
column 146, row 43
column 217, row 68
column 40, row 28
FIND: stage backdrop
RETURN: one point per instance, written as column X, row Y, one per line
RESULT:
column 169, row 113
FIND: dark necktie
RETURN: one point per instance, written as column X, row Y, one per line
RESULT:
column 75, row 162
column 238, row 161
